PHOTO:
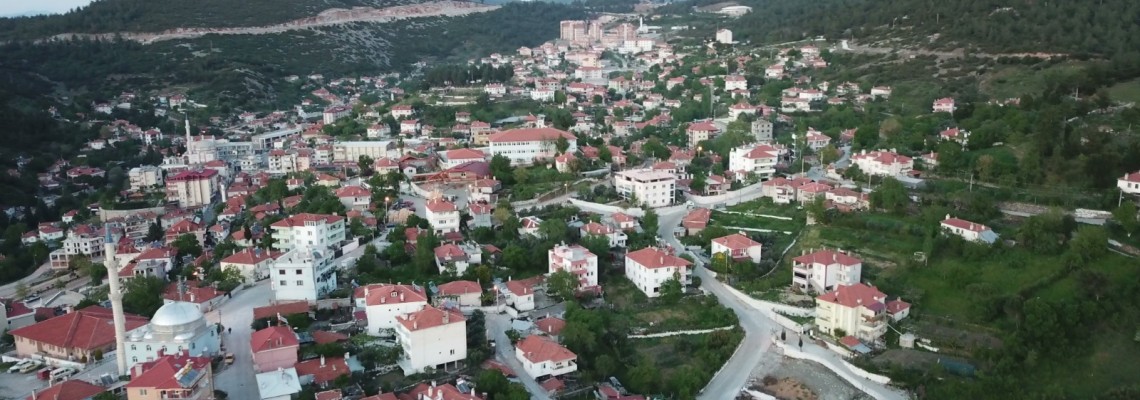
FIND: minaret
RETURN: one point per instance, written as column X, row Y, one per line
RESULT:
column 116, row 296
column 187, row 133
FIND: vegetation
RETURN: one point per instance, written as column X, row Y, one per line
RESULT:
column 142, row 295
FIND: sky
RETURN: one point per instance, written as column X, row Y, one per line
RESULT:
column 15, row 8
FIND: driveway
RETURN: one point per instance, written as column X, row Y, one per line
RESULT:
column 497, row 326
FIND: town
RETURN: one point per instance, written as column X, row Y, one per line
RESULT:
column 615, row 214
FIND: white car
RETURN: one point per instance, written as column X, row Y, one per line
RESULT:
column 22, row 365
column 62, row 373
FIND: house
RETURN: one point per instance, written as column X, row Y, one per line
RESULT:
column 425, row 391
column 615, row 237
column 847, row 200
column 529, row 226
column 322, row 371
column 647, row 187
column 279, row 384
column 724, row 36
column 481, row 215
column 762, row 130
column 382, row 303
column 431, row 338
column 400, row 112
column 274, row 348
column 696, row 221
column 623, row 221
column 858, row 310
column 883, row 92
column 701, row 131
column 68, row 390
column 757, row 162
column 354, row 197
column 774, row 71
column 77, row 335
column 518, row 294
column 483, row 191
column 525, row 145
column 823, row 270
column 205, row 298
column 443, row 216
column 314, row 231
column 961, row 136
column 737, row 246
column 541, row 356
column 735, row 82
column 576, row 260
column 816, row 141
column 462, row 293
column 550, row 326
column 409, row 126
column 565, row 162
column 457, row 157
column 970, row 231
column 253, row 263
column 172, row 376
column 651, row 267
column 1129, row 183
column 883, row 163
column 945, row 105
column 454, row 259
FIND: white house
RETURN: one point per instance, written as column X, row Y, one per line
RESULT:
column 701, row 131
column 737, row 246
column 524, row 146
column 431, row 338
column 735, row 82
column 518, row 294
column 315, row 231
column 817, row 140
column 443, row 216
column 824, row 270
column 400, row 112
column 457, row 256
column 970, row 231
column 542, row 356
column 650, row 267
column 945, row 105
column 463, row 293
column 616, row 237
column 457, row 157
column 759, row 160
column 578, row 261
column 724, row 36
column 382, row 303
column 857, row 310
column 303, row 273
column 881, row 92
column 883, row 163
column 774, row 71
column 253, row 264
column 646, row 186
column 1130, row 183
column 354, row 197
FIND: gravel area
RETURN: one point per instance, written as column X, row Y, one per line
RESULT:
column 824, row 383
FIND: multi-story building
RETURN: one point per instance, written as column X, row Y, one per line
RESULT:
column 542, row 356
column 145, row 177
column 646, row 186
column 354, row 197
column 192, row 188
column 454, row 259
column 314, row 231
column 883, row 163
column 431, row 338
column 824, row 270
column 650, row 267
column 736, row 246
column 734, row 82
column 616, row 238
column 174, row 328
column 816, row 140
column 701, row 131
column 524, row 146
column 382, row 303
column 351, row 151
column 481, row 215
column 945, row 104
column 253, row 263
column 757, row 161
column 457, row 157
column 443, row 216
column 303, row 273
column 576, row 260
column 274, row 348
column 334, row 113
column 172, row 376
column 857, row 310
column 724, row 36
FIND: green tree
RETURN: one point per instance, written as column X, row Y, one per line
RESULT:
column 562, row 144
column 187, row 244
column 364, row 163
column 22, row 289
column 829, row 154
column 890, row 196
column 562, row 285
column 1125, row 216
column 142, row 295
column 671, row 291
column 1089, row 243
column 501, row 169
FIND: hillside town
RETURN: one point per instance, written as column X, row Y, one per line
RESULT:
column 388, row 240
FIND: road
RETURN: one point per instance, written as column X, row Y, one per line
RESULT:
column 497, row 326
column 8, row 291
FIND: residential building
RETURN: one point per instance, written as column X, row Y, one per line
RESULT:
column 454, row 259
column 615, row 237
column 304, row 273
column 701, row 131
column 253, row 263
column 650, row 267
column 945, row 105
column 322, row 371
column 431, row 338
column 482, row 215
column 542, row 356
column 457, row 157
column 483, row 191
column 68, row 390
column 576, row 260
column 518, row 294
column 970, row 231
column 172, row 376
column 646, row 186
column 192, row 188
column 1130, row 183
column 883, row 163
column 279, row 384
column 736, row 246
column 274, row 348
column 402, row 111
column 443, row 216
column 753, row 161
column 461, row 293
column 382, row 303
column 145, row 177
column 77, row 335
column 762, row 130
column 524, row 146
column 857, row 310
column 314, row 231
column 695, row 221
column 735, row 82
column 823, row 270
column 355, row 197
column 174, row 328
column 816, row 140
column 724, row 36
column 881, row 92
column 623, row 221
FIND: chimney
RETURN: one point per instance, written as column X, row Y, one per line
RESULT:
column 401, row 297
column 322, row 361
column 139, row 368
column 415, row 324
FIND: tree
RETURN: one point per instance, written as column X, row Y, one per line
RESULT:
column 698, row 183
column 562, row 144
column 142, row 295
column 671, row 291
column 553, row 230
column 187, row 244
column 1125, row 216
column 890, row 195
column 154, row 232
column 515, row 258
column 562, row 285
column 21, row 289
column 649, row 221
column 501, row 169
column 829, row 154
column 365, row 164
column 817, row 210
column 1089, row 243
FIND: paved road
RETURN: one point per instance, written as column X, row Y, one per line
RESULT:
column 9, row 290
column 497, row 326
column 238, row 380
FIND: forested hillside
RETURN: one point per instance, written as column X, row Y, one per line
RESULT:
column 1098, row 28
column 157, row 15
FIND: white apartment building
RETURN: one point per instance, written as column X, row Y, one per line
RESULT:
column 646, row 186
column 86, row 244
column 648, row 268
column 431, row 338
column 382, row 303
column 253, row 263
column 443, row 216
column 858, row 310
column 400, row 112
column 303, row 273
column 735, row 82
column 883, row 163
column 1130, row 183
column 577, row 260
column 144, row 177
column 737, row 246
column 824, row 270
column 724, row 36
column 542, row 356
column 332, row 114
column 758, row 160
column 970, row 231
column 351, row 151
column 315, row 231
column 518, row 294
column 192, row 188
column 524, row 146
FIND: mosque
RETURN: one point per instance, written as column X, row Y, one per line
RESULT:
column 175, row 327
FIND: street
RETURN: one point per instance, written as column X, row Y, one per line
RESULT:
column 497, row 326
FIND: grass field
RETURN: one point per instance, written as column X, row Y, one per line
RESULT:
column 1008, row 81
column 1126, row 91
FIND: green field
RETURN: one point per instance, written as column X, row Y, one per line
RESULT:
column 1126, row 91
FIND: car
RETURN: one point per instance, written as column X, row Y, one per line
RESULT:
column 29, row 367
column 229, row 358
column 60, row 374
column 17, row 366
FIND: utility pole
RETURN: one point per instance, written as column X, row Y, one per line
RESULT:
column 971, row 182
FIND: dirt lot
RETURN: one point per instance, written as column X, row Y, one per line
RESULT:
column 814, row 378
column 789, row 389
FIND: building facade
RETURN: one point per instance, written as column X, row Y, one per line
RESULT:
column 431, row 338
column 651, row 267
column 646, row 186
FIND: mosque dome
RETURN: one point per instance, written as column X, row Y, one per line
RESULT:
column 177, row 317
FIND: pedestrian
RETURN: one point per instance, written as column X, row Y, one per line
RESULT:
column 231, row 330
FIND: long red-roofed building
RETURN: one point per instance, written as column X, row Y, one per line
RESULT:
column 274, row 347
column 524, row 146
column 73, row 336
column 68, row 390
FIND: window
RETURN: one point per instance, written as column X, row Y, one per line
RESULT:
column 280, row 272
column 298, row 272
column 300, row 283
column 134, row 359
column 282, row 283
column 148, row 347
column 453, row 352
column 133, row 347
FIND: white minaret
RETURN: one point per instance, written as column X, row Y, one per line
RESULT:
column 116, row 296
column 188, row 133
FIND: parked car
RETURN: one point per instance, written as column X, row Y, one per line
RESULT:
column 17, row 366
column 62, row 373
column 229, row 358
column 25, row 366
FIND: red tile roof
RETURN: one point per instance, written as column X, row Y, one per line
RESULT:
column 429, row 317
column 301, row 219
column 736, row 241
column 330, row 395
column 322, row 337
column 274, row 337
column 251, row 256
column 964, row 224
column 333, row 368
column 193, row 293
column 353, row 191
column 827, row 257
column 854, row 295
column 88, row 329
column 382, row 396
column 652, row 257
column 377, row 294
column 438, row 206
column 531, row 135
column 193, row 175
column 550, row 325
column 698, row 218
column 160, row 374
column 539, row 349
column 69, row 390
column 458, row 288
column 465, row 154
column 285, row 308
